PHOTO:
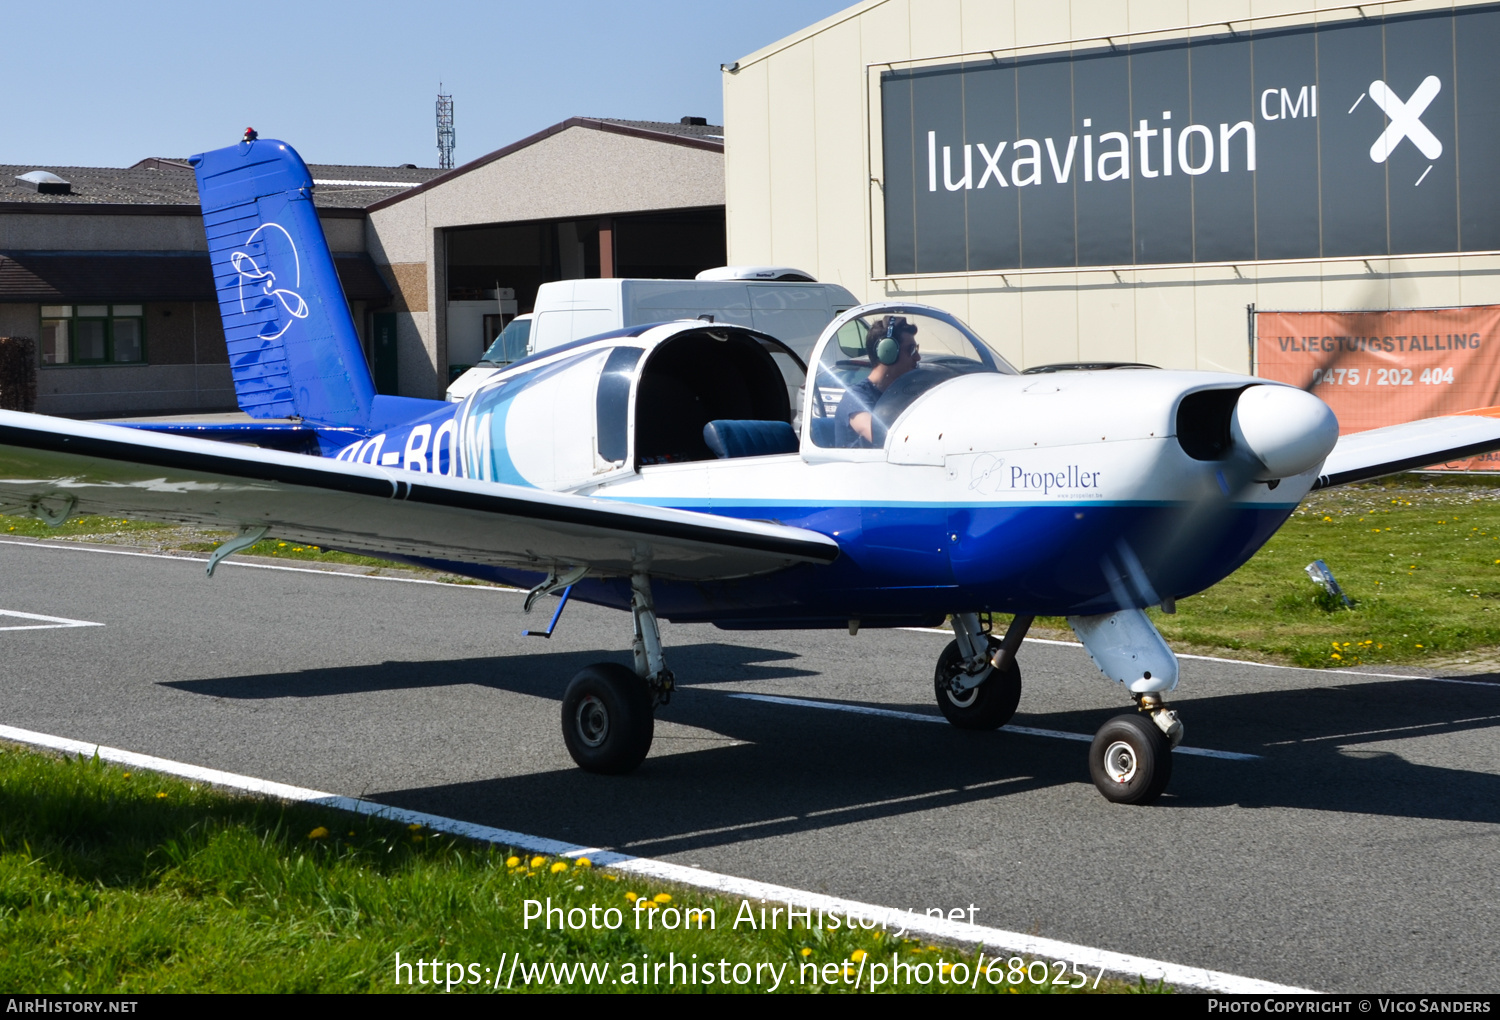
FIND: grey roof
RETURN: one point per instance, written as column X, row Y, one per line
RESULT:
column 156, row 181
column 714, row 132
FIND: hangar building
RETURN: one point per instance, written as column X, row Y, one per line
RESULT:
column 584, row 198
column 107, row 268
column 1121, row 180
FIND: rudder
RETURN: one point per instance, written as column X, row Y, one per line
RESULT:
column 293, row 350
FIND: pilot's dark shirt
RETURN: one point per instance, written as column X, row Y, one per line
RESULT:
column 862, row 396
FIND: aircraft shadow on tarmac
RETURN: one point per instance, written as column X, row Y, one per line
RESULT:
column 800, row 769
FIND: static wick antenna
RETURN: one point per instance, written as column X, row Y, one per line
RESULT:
column 445, row 138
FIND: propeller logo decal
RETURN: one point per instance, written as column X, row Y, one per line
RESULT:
column 249, row 270
column 1405, row 119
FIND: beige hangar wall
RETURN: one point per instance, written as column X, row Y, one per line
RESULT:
column 578, row 172
column 802, row 162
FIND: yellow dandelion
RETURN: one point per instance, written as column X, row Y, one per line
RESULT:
column 414, row 826
column 662, row 897
column 632, row 897
column 512, row 862
column 652, row 905
column 559, row 866
column 947, row 967
column 1327, row 518
column 417, row 837
column 127, row 775
column 163, row 796
column 351, row 832
column 805, row 951
column 857, row 955
column 537, row 862
column 1419, row 646
column 319, row 833
column 583, row 862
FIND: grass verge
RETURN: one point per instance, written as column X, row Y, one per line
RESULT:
column 114, row 881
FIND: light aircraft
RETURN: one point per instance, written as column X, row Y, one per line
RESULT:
column 696, row 471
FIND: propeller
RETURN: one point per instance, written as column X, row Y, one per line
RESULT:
column 1254, row 435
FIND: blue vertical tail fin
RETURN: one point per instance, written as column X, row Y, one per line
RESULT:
column 293, row 349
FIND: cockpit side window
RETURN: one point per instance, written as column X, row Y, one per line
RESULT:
column 699, row 377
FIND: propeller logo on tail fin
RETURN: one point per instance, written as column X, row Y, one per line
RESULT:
column 249, row 270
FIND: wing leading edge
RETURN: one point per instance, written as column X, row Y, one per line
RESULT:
column 53, row 466
column 1361, row 456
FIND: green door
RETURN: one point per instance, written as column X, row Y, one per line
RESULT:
column 386, row 379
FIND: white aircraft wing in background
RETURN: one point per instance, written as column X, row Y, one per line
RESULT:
column 1361, row 456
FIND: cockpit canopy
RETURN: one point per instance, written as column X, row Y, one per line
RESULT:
column 850, row 350
column 601, row 406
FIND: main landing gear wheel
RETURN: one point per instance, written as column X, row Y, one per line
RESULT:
column 1130, row 759
column 607, row 719
column 988, row 706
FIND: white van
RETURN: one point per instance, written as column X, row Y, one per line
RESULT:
column 789, row 306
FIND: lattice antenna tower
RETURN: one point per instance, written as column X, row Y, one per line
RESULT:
column 445, row 138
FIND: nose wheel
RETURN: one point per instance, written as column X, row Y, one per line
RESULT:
column 1130, row 759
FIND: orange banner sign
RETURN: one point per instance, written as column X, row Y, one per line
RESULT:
column 1385, row 368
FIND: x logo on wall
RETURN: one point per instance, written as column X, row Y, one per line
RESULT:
column 1405, row 122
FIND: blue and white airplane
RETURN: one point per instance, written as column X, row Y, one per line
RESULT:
column 696, row 471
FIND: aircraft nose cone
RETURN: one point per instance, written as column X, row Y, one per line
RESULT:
column 1287, row 430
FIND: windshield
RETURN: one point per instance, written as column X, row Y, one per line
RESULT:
column 880, row 361
column 510, row 345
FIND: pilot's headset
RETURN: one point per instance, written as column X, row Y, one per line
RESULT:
column 888, row 351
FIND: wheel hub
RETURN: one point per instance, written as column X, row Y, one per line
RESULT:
column 1120, row 762
column 963, row 685
column 592, row 720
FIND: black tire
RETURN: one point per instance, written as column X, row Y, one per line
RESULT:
column 1130, row 759
column 606, row 719
column 986, row 707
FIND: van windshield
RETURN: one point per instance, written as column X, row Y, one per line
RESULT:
column 510, row 345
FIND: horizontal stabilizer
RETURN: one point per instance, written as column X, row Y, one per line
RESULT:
column 1361, row 456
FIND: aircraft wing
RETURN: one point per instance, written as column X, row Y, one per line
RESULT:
column 53, row 466
column 1361, row 456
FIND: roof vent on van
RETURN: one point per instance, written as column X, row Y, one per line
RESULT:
column 770, row 274
column 45, row 183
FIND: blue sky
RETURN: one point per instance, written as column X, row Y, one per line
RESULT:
column 106, row 84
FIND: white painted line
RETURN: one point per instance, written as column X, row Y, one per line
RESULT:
column 43, row 544
column 1030, row 731
column 1247, row 662
column 50, row 622
column 933, row 927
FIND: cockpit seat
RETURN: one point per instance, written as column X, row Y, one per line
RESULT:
column 729, row 438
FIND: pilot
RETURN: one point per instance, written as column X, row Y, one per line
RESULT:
column 892, row 346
